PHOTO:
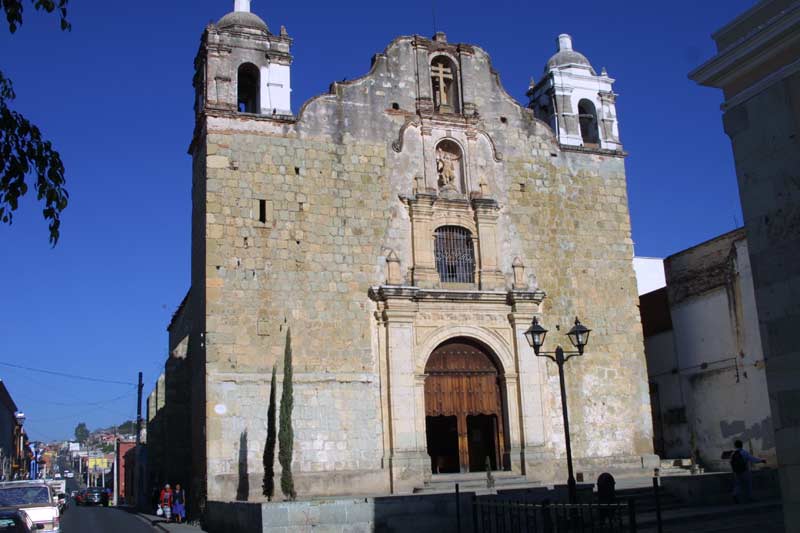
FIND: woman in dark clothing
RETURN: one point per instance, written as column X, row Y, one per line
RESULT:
column 179, row 503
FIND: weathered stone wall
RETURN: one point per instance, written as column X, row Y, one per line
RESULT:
column 764, row 130
column 335, row 183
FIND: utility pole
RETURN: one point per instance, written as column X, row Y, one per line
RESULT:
column 139, row 412
column 116, row 471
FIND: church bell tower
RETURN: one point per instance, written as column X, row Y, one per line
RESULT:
column 244, row 68
column 579, row 104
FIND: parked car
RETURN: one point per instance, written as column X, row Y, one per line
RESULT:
column 15, row 521
column 96, row 496
column 35, row 498
column 79, row 496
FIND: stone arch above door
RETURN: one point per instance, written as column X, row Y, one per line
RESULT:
column 493, row 340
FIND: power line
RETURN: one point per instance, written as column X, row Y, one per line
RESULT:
column 70, row 376
column 83, row 412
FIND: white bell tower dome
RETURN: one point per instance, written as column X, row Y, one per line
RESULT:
column 578, row 103
column 258, row 65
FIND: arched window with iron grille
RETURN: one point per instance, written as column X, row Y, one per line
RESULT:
column 455, row 255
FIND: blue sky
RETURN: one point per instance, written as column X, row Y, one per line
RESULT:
column 115, row 97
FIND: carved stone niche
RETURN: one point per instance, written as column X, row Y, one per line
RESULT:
column 431, row 213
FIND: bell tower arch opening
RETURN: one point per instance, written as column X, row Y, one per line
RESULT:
column 248, row 89
column 465, row 414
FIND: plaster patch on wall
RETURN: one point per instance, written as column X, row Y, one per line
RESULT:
column 762, row 431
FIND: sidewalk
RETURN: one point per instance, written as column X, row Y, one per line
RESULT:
column 171, row 527
column 687, row 518
column 162, row 525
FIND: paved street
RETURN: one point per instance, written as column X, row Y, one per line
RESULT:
column 768, row 522
column 102, row 520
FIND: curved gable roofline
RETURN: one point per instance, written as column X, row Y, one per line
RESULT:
column 411, row 38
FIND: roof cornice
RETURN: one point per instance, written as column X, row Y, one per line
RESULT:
column 752, row 50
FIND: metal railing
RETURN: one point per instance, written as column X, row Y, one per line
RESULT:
column 502, row 516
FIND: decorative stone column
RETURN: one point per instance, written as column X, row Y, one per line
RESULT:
column 608, row 120
column 421, row 212
column 569, row 127
column 486, row 213
column 514, row 454
column 424, row 94
column 408, row 458
column 525, row 305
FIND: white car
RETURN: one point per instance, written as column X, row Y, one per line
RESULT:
column 36, row 499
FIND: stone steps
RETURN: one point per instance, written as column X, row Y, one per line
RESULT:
column 473, row 482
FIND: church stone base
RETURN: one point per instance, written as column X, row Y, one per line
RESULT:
column 409, row 470
column 554, row 471
column 433, row 513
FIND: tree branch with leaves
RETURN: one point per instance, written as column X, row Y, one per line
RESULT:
column 23, row 149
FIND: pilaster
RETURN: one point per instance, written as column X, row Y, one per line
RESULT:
column 569, row 131
column 530, row 370
column 421, row 212
column 407, row 457
column 486, row 212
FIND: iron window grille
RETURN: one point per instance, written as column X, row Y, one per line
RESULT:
column 455, row 255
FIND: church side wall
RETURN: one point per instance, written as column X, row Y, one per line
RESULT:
column 308, row 268
column 571, row 212
column 196, row 350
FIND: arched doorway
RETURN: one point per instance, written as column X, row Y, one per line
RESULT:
column 464, row 411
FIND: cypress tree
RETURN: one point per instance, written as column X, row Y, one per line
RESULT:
column 285, row 432
column 269, row 449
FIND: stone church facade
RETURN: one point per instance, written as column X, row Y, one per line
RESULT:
column 406, row 227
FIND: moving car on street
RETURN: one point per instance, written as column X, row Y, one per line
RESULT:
column 35, row 498
column 95, row 496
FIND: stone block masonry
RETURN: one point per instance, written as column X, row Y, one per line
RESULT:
column 294, row 219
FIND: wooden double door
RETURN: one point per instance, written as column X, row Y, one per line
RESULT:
column 463, row 409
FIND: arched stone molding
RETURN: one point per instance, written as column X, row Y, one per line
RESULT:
column 454, row 218
column 493, row 340
column 446, row 53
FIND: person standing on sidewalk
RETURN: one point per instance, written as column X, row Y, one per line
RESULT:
column 740, row 464
column 179, row 505
column 165, row 501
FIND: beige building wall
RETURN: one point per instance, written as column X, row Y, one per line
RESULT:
column 349, row 197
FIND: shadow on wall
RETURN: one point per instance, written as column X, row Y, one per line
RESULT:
column 243, row 489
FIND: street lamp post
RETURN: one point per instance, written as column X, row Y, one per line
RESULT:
column 579, row 336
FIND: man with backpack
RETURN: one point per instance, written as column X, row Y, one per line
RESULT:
column 743, row 480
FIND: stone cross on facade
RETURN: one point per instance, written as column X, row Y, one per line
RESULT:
column 442, row 76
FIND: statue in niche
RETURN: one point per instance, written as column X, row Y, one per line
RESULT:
column 448, row 166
